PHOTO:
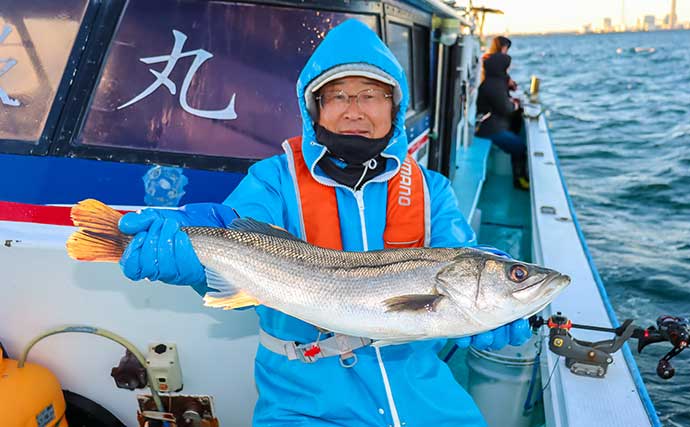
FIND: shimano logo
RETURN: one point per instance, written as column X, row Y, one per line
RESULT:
column 405, row 191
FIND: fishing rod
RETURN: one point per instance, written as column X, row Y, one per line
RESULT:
column 593, row 358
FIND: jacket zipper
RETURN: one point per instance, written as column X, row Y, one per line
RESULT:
column 359, row 196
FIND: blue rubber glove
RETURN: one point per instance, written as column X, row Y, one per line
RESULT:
column 494, row 251
column 161, row 251
column 515, row 333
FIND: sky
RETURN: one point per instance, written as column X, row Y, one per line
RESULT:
column 534, row 16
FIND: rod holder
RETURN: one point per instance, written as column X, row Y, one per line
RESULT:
column 534, row 89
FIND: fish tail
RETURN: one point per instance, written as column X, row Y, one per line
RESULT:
column 98, row 237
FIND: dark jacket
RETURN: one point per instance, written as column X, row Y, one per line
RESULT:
column 493, row 96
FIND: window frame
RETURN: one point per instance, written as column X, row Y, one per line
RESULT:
column 87, row 78
column 91, row 49
column 426, row 65
column 401, row 14
column 411, row 77
column 43, row 145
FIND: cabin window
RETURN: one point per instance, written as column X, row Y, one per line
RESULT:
column 421, row 46
column 400, row 43
column 36, row 38
column 205, row 78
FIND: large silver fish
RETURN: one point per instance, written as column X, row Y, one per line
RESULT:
column 393, row 295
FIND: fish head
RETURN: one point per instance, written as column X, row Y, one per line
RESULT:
column 496, row 289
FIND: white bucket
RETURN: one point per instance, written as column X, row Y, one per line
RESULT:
column 499, row 382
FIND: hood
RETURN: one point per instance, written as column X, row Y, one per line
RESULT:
column 497, row 65
column 352, row 42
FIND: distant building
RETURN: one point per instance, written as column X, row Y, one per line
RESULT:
column 673, row 18
column 587, row 28
column 649, row 23
column 608, row 27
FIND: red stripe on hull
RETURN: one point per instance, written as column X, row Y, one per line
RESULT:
column 37, row 214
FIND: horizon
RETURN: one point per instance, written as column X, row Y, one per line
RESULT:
column 574, row 32
column 558, row 16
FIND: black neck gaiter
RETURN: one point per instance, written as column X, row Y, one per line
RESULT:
column 357, row 152
column 354, row 150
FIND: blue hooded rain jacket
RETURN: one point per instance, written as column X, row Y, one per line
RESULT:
column 402, row 385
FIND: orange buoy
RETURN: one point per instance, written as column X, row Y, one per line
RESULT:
column 30, row 396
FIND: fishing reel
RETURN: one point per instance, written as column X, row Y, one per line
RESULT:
column 593, row 358
column 668, row 328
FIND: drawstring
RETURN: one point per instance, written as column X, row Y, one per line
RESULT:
column 371, row 164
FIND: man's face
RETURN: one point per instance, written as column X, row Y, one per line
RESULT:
column 371, row 117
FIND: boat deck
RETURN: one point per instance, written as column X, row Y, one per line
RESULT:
column 540, row 226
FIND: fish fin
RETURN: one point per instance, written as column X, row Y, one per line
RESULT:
column 98, row 237
column 239, row 300
column 413, row 302
column 220, row 284
column 254, row 226
column 228, row 296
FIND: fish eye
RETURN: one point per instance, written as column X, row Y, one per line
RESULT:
column 518, row 273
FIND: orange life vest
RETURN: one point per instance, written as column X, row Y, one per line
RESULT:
column 408, row 210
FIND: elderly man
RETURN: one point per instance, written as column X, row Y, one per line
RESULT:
column 346, row 183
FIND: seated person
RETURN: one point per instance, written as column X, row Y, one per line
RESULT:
column 495, row 109
column 499, row 44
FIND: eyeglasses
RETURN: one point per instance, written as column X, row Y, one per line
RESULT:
column 369, row 100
